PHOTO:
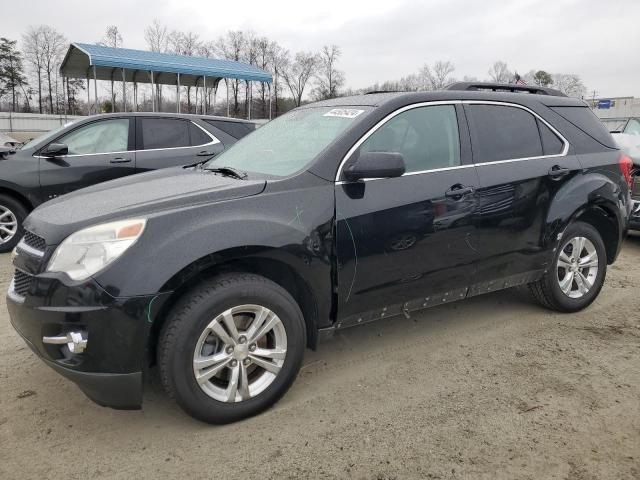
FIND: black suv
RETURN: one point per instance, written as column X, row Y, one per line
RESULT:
column 100, row 148
column 333, row 215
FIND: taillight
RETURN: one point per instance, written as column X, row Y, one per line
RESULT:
column 626, row 165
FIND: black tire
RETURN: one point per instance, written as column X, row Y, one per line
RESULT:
column 547, row 290
column 20, row 213
column 188, row 319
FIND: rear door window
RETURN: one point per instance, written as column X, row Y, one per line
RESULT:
column 502, row 133
column 164, row 133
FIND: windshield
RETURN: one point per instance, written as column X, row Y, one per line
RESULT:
column 289, row 143
column 633, row 127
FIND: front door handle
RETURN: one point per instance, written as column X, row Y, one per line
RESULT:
column 557, row 171
column 204, row 153
column 458, row 191
column 120, row 160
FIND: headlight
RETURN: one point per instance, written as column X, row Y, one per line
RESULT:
column 88, row 251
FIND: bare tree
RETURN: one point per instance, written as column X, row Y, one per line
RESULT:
column 33, row 42
column 299, row 72
column 329, row 78
column 232, row 47
column 279, row 60
column 112, row 38
column 437, row 76
column 250, row 56
column 499, row 73
column 569, row 83
column 263, row 58
column 207, row 50
column 53, row 47
column 410, row 83
column 157, row 37
column 184, row 43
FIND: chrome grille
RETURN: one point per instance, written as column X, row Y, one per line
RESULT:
column 22, row 282
column 34, row 241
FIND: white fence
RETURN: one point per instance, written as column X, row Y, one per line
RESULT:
column 32, row 122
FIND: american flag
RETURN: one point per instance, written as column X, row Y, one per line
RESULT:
column 517, row 79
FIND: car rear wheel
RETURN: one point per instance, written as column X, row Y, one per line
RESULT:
column 231, row 347
column 12, row 215
column 577, row 273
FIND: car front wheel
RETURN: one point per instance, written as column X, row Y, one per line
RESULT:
column 12, row 214
column 231, row 347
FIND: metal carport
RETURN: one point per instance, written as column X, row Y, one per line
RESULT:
column 84, row 60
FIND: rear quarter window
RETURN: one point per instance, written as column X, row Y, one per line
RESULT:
column 236, row 129
column 551, row 144
column 584, row 119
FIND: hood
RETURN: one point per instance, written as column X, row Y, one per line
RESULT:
column 135, row 196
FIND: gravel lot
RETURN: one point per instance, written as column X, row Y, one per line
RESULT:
column 494, row 387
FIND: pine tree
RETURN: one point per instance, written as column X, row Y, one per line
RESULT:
column 11, row 70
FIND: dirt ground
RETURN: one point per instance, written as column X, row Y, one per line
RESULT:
column 493, row 387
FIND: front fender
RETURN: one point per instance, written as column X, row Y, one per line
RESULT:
column 299, row 234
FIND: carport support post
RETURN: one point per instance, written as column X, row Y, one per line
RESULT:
column 95, row 90
column 124, row 93
column 216, row 84
column 204, row 97
column 88, row 96
column 66, row 97
column 178, row 94
column 226, row 83
column 153, row 95
column 249, row 103
column 269, row 101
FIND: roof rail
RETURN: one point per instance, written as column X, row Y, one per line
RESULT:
column 505, row 87
column 374, row 92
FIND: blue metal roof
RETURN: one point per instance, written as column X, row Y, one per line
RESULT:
column 108, row 57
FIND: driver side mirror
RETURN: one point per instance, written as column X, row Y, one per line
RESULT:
column 376, row 165
column 54, row 150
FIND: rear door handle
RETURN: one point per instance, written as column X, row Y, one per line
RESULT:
column 120, row 160
column 558, row 172
column 458, row 191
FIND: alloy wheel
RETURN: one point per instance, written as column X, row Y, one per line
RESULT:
column 577, row 267
column 240, row 353
column 8, row 224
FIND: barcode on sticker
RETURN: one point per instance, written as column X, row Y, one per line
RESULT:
column 343, row 113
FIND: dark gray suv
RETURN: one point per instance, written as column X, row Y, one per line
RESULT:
column 101, row 148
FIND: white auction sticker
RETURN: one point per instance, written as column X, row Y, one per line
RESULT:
column 343, row 113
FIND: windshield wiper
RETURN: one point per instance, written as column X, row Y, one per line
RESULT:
column 229, row 172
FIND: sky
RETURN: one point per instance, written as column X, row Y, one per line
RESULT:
column 598, row 40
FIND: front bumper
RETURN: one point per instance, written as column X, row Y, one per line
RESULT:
column 122, row 391
column 109, row 370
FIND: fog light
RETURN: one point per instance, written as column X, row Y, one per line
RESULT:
column 75, row 341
